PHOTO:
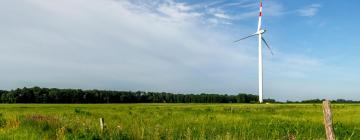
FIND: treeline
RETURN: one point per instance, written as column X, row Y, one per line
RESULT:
column 321, row 100
column 54, row 95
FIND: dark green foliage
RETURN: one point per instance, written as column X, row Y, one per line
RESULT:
column 2, row 121
column 79, row 111
column 313, row 101
column 53, row 95
column 318, row 101
column 269, row 101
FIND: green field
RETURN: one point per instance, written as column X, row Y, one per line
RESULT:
column 175, row 121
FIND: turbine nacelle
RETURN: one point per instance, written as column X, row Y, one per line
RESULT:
column 260, row 32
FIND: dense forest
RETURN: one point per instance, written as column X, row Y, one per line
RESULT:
column 54, row 95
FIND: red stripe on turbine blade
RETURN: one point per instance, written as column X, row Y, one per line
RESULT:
column 260, row 14
column 260, row 4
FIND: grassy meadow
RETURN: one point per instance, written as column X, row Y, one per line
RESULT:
column 175, row 121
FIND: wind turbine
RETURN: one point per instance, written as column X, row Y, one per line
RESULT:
column 260, row 33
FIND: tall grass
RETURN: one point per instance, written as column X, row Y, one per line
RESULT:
column 175, row 121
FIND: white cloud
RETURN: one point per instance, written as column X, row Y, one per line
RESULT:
column 222, row 15
column 157, row 45
column 219, row 13
column 309, row 11
column 178, row 11
column 114, row 44
column 242, row 4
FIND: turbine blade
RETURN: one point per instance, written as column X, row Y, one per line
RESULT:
column 267, row 45
column 245, row 38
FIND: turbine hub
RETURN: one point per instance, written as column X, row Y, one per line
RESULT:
column 261, row 31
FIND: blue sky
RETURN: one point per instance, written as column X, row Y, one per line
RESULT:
column 181, row 46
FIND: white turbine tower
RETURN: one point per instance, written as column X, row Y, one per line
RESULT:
column 260, row 33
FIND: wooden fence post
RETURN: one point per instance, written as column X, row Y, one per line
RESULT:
column 102, row 124
column 330, row 135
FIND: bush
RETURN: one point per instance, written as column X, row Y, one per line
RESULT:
column 2, row 121
column 79, row 111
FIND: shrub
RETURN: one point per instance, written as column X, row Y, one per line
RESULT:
column 2, row 121
column 79, row 111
